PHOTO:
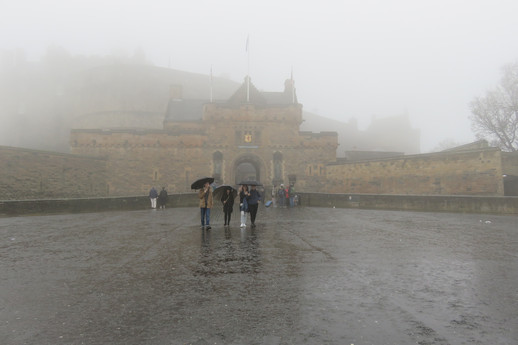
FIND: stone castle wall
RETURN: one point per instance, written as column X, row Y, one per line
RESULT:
column 137, row 160
column 510, row 163
column 477, row 172
column 32, row 174
column 131, row 170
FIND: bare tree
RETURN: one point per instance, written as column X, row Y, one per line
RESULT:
column 495, row 116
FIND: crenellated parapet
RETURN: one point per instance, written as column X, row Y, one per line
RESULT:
column 83, row 140
column 286, row 115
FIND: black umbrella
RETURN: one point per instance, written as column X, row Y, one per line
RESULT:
column 218, row 192
column 199, row 183
column 250, row 183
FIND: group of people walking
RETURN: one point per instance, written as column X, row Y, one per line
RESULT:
column 158, row 199
column 284, row 196
column 248, row 203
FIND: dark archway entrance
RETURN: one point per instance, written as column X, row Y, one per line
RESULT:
column 246, row 171
column 247, row 168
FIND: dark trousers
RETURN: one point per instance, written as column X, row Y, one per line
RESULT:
column 227, row 217
column 253, row 211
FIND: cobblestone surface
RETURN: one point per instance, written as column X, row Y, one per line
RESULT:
column 302, row 276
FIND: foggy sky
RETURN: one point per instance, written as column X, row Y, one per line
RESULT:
column 350, row 59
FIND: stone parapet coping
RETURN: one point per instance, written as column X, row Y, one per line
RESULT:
column 423, row 203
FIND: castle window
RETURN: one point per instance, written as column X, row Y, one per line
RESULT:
column 277, row 167
column 217, row 159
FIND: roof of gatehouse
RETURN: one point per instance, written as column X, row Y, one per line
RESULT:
column 192, row 109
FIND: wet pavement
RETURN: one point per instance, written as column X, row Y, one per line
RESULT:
column 302, row 276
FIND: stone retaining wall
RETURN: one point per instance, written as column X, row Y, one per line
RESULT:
column 32, row 207
column 462, row 204
column 430, row 203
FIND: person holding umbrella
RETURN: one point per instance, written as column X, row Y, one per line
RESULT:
column 206, row 202
column 227, row 198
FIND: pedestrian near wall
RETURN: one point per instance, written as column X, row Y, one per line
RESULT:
column 281, row 194
column 291, row 195
column 162, row 198
column 153, row 195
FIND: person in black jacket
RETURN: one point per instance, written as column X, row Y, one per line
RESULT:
column 228, row 204
column 253, row 203
column 162, row 198
column 153, row 194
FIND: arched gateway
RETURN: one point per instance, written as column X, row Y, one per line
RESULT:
column 253, row 134
column 247, row 167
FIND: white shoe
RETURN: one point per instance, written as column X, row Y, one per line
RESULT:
column 242, row 225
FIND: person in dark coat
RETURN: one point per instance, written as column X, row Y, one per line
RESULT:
column 281, row 196
column 253, row 203
column 228, row 204
column 162, row 198
column 153, row 194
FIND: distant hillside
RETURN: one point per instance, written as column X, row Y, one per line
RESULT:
column 137, row 96
column 41, row 102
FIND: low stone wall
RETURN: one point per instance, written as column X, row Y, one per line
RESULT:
column 33, row 207
column 462, row 204
column 429, row 203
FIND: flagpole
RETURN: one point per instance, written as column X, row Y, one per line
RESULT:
column 292, row 87
column 248, row 71
column 211, row 84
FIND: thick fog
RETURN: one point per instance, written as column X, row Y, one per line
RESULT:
column 350, row 59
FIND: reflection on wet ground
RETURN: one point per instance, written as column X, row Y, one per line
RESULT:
column 302, row 276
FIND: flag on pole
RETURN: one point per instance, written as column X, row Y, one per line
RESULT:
column 248, row 72
column 292, row 87
column 211, row 83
